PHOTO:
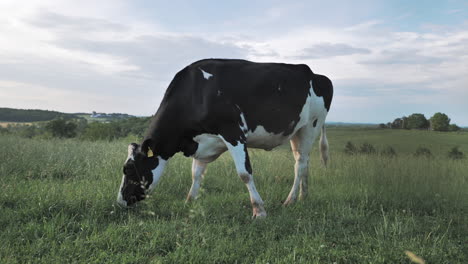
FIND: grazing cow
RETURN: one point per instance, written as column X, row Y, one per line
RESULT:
column 216, row 105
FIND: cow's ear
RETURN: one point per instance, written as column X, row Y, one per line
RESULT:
column 146, row 148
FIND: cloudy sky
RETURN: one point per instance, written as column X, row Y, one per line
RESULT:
column 386, row 58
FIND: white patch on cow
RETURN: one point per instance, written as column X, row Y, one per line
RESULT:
column 120, row 199
column 243, row 127
column 131, row 150
column 130, row 156
column 279, row 88
column 206, row 75
column 262, row 139
column 314, row 108
column 219, row 93
column 209, row 147
column 239, row 156
column 198, row 172
column 157, row 173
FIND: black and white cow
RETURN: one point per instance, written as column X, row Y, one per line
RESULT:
column 216, row 105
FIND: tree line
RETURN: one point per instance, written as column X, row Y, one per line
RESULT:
column 80, row 128
column 438, row 122
column 29, row 115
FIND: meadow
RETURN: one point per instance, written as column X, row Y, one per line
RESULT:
column 57, row 205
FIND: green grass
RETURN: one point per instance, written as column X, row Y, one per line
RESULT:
column 57, row 205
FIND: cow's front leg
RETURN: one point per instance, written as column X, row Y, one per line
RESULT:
column 198, row 170
column 240, row 156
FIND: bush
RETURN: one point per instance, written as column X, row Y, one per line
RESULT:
column 455, row 154
column 388, row 151
column 423, row 152
column 61, row 128
column 29, row 131
column 100, row 131
column 350, row 149
column 367, row 148
column 4, row 131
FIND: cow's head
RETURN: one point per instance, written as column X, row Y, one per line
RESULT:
column 137, row 174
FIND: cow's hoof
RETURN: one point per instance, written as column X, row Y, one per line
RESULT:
column 259, row 215
column 289, row 202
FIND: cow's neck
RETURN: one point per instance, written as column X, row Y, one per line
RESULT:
column 165, row 135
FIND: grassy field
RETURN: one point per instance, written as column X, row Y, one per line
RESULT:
column 57, row 205
column 6, row 124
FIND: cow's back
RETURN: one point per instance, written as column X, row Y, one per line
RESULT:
column 208, row 96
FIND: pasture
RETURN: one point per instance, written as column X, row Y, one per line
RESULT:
column 58, row 205
column 6, row 124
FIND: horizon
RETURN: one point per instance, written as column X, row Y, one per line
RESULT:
column 386, row 59
column 142, row 116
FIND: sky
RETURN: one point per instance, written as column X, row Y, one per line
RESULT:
column 386, row 59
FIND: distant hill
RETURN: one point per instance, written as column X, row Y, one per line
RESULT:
column 35, row 115
column 30, row 115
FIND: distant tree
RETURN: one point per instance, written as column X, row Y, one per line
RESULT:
column 453, row 127
column 22, row 115
column 81, row 124
column 382, row 125
column 404, row 122
column 417, row 121
column 397, row 123
column 61, row 128
column 440, row 122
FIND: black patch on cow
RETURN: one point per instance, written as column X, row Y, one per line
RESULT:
column 248, row 167
column 315, row 123
column 323, row 87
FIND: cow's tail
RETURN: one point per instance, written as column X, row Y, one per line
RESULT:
column 324, row 146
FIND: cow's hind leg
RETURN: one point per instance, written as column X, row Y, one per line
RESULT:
column 241, row 159
column 324, row 146
column 301, row 144
column 198, row 170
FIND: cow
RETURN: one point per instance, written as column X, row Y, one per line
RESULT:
column 214, row 105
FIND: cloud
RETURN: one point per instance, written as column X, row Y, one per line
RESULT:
column 76, row 63
column 109, row 57
column 406, row 56
column 155, row 56
column 54, row 21
column 326, row 50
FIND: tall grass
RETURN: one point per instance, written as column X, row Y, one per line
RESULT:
column 57, row 205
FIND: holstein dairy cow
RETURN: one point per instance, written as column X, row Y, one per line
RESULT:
column 216, row 105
